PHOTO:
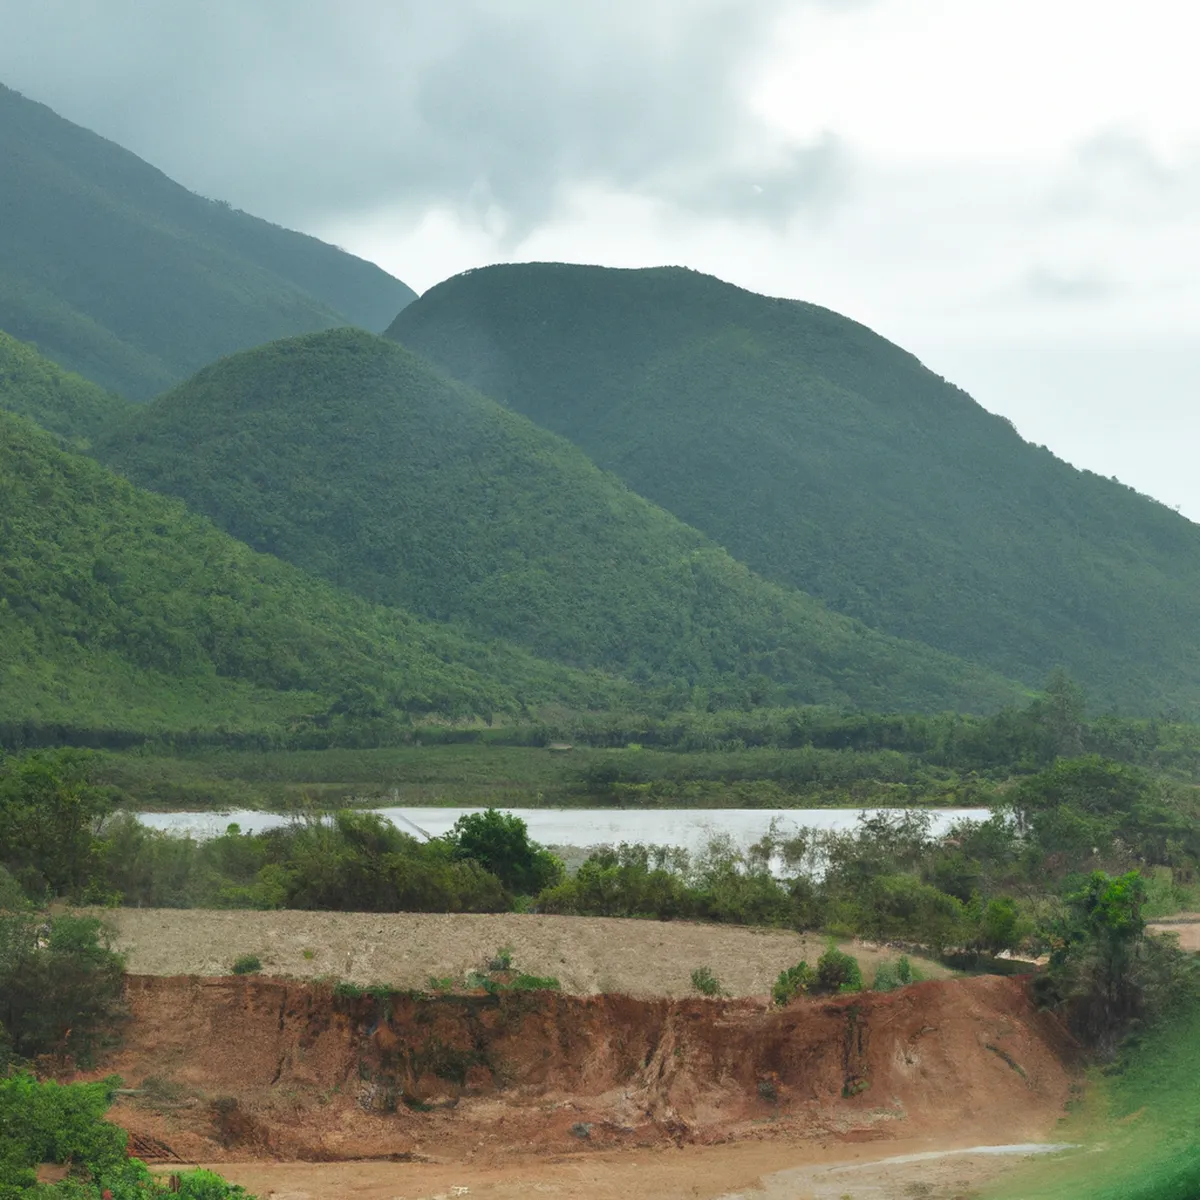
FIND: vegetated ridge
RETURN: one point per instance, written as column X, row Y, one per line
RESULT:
column 121, row 612
column 64, row 403
column 354, row 459
column 117, row 272
column 828, row 459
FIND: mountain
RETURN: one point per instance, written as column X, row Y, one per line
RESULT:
column 118, row 273
column 123, row 614
column 66, row 404
column 349, row 456
column 829, row 459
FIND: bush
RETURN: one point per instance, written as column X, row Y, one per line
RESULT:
column 886, row 978
column 61, row 987
column 500, row 843
column 792, row 982
column 50, row 1122
column 248, row 964
column 705, row 982
column 838, row 972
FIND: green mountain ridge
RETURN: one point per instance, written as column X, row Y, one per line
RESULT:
column 120, row 611
column 120, row 274
column 66, row 404
column 354, row 459
column 830, row 460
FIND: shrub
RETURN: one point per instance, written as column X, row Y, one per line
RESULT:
column 705, row 982
column 61, row 986
column 500, row 843
column 502, row 960
column 50, row 1122
column 886, row 978
column 792, row 982
column 838, row 972
column 247, row 964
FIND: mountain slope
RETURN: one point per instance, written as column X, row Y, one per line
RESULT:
column 351, row 457
column 121, row 611
column 66, row 404
column 829, row 459
column 118, row 273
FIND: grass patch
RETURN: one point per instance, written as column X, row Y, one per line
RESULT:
column 1137, row 1127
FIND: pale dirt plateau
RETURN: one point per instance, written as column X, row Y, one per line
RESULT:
column 587, row 955
column 1184, row 925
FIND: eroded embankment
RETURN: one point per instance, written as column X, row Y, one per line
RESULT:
column 246, row 1067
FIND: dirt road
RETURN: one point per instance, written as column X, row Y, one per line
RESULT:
column 746, row 1171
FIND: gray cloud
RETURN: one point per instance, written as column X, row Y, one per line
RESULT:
column 1061, row 287
column 302, row 110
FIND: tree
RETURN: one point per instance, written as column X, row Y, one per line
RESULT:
column 49, row 809
column 500, row 843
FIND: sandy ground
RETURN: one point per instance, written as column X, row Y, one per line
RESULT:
column 1186, row 925
column 746, row 1171
column 586, row 954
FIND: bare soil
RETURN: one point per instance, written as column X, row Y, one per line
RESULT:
column 758, row 1170
column 588, row 955
column 226, row 1069
column 626, row 1085
column 1185, row 925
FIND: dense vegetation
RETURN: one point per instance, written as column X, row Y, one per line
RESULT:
column 54, row 1123
column 350, row 457
column 65, row 404
column 828, row 459
column 61, row 987
column 122, row 615
column 118, row 273
column 764, row 758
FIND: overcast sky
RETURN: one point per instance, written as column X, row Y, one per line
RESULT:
column 1008, row 188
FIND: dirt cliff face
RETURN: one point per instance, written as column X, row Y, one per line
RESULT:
column 231, row 1068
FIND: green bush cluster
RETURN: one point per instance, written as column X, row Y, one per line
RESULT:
column 54, row 1123
column 61, row 987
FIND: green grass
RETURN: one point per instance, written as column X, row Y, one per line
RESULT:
column 1137, row 1129
column 529, row 776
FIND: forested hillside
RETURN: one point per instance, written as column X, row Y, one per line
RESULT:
column 349, row 456
column 122, row 613
column 118, row 273
column 66, row 404
column 828, row 459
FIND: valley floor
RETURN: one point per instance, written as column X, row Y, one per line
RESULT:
column 906, row 1169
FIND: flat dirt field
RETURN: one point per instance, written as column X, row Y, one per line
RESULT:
column 900, row 1170
column 587, row 955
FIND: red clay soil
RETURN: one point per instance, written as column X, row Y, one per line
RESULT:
column 234, row 1068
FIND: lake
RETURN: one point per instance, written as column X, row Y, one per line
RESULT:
column 689, row 828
